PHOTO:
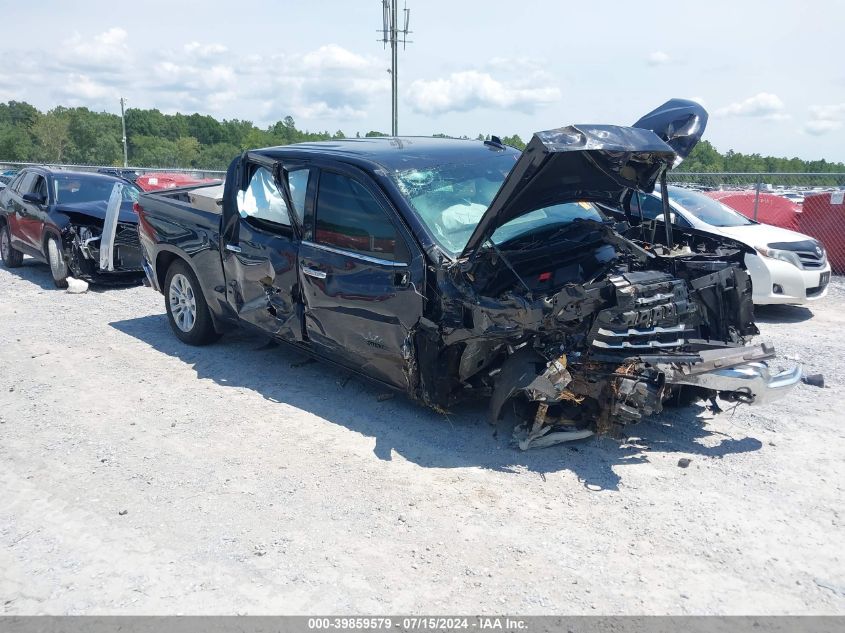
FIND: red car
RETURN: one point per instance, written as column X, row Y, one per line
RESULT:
column 154, row 181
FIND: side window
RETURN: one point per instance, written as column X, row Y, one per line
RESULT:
column 653, row 210
column 40, row 186
column 24, row 183
column 349, row 217
column 298, row 183
column 652, row 207
column 15, row 185
column 263, row 200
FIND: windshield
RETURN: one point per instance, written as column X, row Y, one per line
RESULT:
column 707, row 209
column 72, row 188
column 542, row 221
column 451, row 200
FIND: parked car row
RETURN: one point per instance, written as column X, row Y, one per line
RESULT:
column 543, row 281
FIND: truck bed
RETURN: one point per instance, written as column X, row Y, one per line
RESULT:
column 194, row 206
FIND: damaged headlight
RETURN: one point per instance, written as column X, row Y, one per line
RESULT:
column 775, row 253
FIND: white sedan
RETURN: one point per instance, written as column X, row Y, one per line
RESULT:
column 786, row 267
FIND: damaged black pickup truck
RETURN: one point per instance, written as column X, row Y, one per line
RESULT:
column 452, row 269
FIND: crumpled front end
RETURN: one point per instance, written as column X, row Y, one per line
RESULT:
column 82, row 241
column 596, row 356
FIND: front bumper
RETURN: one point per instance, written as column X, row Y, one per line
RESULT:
column 797, row 286
column 742, row 376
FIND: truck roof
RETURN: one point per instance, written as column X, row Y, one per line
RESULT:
column 395, row 153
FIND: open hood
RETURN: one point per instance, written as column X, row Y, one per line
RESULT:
column 97, row 209
column 578, row 162
column 593, row 162
column 679, row 122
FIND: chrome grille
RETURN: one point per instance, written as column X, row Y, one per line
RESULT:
column 811, row 260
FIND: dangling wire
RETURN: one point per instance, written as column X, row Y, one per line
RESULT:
column 640, row 209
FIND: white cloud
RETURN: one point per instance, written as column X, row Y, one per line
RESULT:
column 658, row 58
column 334, row 57
column 329, row 82
column 83, row 89
column 763, row 105
column 107, row 50
column 204, row 51
column 828, row 112
column 822, row 126
column 468, row 90
column 825, row 118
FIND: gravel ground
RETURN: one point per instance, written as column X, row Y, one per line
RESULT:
column 140, row 475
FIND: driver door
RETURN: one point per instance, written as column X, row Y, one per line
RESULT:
column 360, row 273
column 259, row 246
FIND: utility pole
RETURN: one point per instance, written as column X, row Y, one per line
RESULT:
column 391, row 34
column 123, row 124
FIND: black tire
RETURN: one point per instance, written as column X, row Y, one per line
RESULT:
column 56, row 259
column 11, row 257
column 186, row 307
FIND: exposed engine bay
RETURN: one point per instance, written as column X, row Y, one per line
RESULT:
column 598, row 329
column 82, row 248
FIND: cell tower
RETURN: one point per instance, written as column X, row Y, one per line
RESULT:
column 391, row 34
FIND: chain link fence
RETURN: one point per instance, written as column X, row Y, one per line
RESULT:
column 189, row 171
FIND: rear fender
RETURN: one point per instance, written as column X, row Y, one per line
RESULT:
column 217, row 309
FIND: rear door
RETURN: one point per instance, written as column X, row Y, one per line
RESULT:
column 32, row 215
column 259, row 249
column 360, row 272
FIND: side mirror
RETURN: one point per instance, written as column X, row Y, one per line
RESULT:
column 34, row 198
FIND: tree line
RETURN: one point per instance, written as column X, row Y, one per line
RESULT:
column 82, row 136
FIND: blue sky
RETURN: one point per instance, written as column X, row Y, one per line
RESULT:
column 768, row 72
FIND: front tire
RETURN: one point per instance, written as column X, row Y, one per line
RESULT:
column 56, row 259
column 187, row 309
column 11, row 258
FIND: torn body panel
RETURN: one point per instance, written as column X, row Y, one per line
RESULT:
column 82, row 239
column 620, row 336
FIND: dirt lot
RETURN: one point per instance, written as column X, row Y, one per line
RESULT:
column 139, row 475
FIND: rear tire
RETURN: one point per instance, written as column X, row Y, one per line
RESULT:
column 11, row 258
column 187, row 309
column 56, row 259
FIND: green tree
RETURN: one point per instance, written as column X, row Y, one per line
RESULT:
column 95, row 138
column 18, row 114
column 514, row 141
column 15, row 143
column 52, row 135
column 217, row 156
column 146, row 123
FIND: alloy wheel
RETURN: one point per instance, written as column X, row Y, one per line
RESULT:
column 183, row 303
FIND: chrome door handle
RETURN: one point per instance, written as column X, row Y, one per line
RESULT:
column 233, row 247
column 311, row 272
